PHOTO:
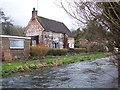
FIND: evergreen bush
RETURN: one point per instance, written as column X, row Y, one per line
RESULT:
column 57, row 52
column 77, row 50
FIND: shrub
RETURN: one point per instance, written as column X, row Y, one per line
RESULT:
column 56, row 51
column 96, row 48
column 39, row 50
column 77, row 50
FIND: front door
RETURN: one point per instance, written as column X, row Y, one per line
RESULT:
column 35, row 40
column 56, row 46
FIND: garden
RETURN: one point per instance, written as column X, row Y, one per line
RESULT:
column 42, row 56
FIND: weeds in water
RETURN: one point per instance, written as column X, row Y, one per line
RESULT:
column 64, row 79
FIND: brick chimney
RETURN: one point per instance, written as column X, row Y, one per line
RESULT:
column 34, row 13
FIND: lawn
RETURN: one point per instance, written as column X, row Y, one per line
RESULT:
column 77, row 57
column 15, row 66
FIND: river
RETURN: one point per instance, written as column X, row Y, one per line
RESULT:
column 98, row 73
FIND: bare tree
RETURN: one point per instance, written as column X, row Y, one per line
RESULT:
column 105, row 13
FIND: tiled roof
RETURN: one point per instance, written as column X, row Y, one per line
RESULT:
column 55, row 26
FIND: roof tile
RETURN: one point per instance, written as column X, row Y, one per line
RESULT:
column 55, row 26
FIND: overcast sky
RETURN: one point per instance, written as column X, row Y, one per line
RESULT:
column 20, row 11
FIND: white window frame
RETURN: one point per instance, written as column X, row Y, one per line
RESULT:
column 61, row 44
column 17, row 42
column 50, row 33
column 60, row 35
column 33, row 42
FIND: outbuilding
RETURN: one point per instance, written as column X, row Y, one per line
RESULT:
column 14, row 47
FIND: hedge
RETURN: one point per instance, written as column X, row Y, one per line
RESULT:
column 41, row 50
column 56, row 51
column 77, row 50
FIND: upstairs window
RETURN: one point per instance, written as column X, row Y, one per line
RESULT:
column 50, row 33
column 60, row 35
column 16, row 44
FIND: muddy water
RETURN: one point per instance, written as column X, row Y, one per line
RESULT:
column 97, row 73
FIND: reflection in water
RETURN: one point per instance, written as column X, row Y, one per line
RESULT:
column 88, row 74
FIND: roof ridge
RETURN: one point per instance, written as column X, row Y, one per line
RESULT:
column 53, row 25
column 55, row 21
column 51, row 19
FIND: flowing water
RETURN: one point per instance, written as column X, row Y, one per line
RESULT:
column 97, row 73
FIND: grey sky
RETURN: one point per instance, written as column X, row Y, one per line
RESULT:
column 20, row 11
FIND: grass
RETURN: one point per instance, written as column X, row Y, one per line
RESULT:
column 15, row 66
column 77, row 57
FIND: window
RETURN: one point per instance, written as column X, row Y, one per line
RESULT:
column 50, row 45
column 60, row 35
column 61, row 44
column 16, row 43
column 50, row 33
column 33, row 42
column 70, row 45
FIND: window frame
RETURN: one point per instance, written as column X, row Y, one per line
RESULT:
column 50, row 33
column 17, row 47
column 61, row 35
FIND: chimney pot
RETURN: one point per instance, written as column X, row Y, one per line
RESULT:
column 33, row 9
column 34, row 13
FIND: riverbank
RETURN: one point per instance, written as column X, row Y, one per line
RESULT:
column 19, row 66
column 97, row 73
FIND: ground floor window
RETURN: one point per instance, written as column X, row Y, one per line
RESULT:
column 16, row 43
column 34, row 43
column 71, row 45
column 61, row 45
column 50, row 45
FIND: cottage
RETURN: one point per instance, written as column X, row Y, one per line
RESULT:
column 14, row 47
column 51, row 33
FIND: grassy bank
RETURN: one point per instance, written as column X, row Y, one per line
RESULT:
column 17, row 66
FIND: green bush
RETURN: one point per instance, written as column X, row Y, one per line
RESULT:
column 39, row 50
column 77, row 50
column 56, row 51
